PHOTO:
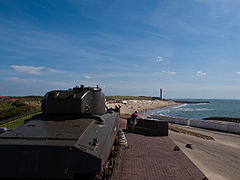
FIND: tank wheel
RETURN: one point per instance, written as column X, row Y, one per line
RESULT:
column 112, row 162
column 108, row 171
column 116, row 144
column 109, row 168
column 106, row 175
column 110, row 174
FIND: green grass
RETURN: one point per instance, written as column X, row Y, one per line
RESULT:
column 13, row 118
column 14, row 109
column 128, row 97
column 17, row 122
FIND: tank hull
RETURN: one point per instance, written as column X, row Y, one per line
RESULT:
column 62, row 149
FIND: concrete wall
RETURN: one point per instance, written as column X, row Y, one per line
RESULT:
column 224, row 126
column 181, row 121
column 216, row 125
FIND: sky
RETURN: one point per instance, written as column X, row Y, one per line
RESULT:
column 190, row 48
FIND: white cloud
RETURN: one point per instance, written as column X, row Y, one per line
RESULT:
column 28, row 69
column 200, row 73
column 238, row 73
column 54, row 70
column 35, row 70
column 87, row 77
column 159, row 59
column 171, row 72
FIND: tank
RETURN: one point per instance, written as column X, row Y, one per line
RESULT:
column 75, row 137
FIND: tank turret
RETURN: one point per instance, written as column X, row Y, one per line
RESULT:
column 79, row 100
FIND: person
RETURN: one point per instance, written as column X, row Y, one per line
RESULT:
column 133, row 120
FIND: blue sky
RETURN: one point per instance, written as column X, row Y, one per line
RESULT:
column 190, row 48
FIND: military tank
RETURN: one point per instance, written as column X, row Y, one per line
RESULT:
column 75, row 137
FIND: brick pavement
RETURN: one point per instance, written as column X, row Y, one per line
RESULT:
column 153, row 158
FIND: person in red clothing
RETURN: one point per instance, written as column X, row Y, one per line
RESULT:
column 133, row 120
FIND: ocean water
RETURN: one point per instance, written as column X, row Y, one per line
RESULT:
column 216, row 107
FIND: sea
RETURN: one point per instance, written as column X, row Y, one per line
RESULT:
column 215, row 108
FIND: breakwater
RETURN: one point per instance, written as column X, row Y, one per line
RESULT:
column 223, row 126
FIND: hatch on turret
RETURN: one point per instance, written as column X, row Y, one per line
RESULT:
column 79, row 100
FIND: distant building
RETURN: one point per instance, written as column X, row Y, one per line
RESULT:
column 3, row 98
column 12, row 99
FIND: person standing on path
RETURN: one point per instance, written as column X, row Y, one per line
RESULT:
column 133, row 120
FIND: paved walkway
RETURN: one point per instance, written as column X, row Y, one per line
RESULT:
column 218, row 159
column 153, row 158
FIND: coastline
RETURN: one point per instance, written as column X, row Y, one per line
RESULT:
column 129, row 106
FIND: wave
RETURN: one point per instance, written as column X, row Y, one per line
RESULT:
column 194, row 109
column 216, row 108
column 178, row 106
column 180, row 110
column 161, row 114
column 199, row 104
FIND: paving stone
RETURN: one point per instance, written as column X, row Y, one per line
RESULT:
column 153, row 158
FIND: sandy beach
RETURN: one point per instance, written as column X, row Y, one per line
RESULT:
column 128, row 107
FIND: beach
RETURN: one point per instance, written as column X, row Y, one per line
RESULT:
column 128, row 107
